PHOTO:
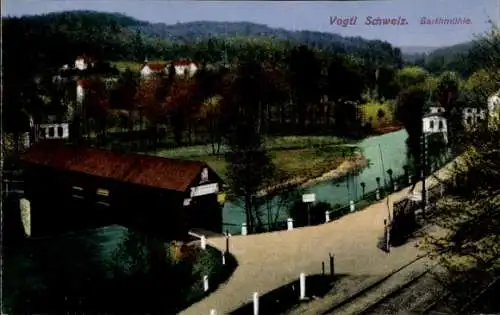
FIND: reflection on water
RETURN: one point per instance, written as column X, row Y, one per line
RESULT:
column 107, row 270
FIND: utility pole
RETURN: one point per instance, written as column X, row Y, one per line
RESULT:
column 424, row 150
column 423, row 172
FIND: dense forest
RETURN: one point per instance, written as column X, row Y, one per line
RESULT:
column 457, row 58
column 59, row 37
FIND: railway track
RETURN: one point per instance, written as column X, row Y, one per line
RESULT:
column 369, row 299
column 417, row 290
column 425, row 294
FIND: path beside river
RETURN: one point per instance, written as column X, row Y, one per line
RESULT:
column 269, row 260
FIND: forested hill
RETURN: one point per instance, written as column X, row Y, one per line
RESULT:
column 190, row 32
column 56, row 38
column 454, row 58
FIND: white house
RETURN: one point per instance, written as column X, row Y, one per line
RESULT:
column 83, row 62
column 54, row 131
column 185, row 67
column 435, row 123
column 150, row 68
column 493, row 107
column 473, row 116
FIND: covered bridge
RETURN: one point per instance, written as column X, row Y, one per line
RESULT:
column 82, row 187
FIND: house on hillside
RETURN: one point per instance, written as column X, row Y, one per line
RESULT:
column 472, row 116
column 182, row 67
column 83, row 62
column 53, row 129
column 153, row 68
column 494, row 107
column 76, row 187
column 185, row 67
column 435, row 122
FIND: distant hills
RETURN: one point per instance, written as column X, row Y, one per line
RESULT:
column 120, row 37
column 58, row 37
column 412, row 50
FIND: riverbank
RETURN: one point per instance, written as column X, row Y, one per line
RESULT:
column 346, row 166
column 387, row 129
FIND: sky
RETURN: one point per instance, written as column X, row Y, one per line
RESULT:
column 301, row 15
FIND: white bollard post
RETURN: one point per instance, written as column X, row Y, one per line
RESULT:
column 205, row 283
column 327, row 216
column 351, row 205
column 377, row 194
column 223, row 258
column 213, row 312
column 289, row 224
column 255, row 303
column 409, row 179
column 302, row 286
column 203, row 242
column 244, row 230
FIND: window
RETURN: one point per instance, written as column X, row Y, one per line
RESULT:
column 102, row 197
column 441, row 125
column 77, row 192
column 431, row 124
column 51, row 132
column 102, row 192
column 60, row 131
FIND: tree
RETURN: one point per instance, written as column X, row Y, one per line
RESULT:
column 410, row 76
column 470, row 211
column 380, row 114
column 386, row 83
column 123, row 95
column 409, row 111
column 481, row 85
column 95, row 106
column 448, row 89
column 249, row 165
column 182, row 106
column 345, row 80
column 210, row 112
column 305, row 72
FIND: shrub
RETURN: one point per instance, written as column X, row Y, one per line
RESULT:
column 380, row 113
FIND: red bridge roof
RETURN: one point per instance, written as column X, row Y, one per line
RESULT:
column 158, row 172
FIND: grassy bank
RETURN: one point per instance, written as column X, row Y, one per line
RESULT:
column 124, row 65
column 295, row 156
column 307, row 162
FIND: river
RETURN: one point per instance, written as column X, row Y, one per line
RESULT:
column 383, row 152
